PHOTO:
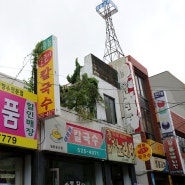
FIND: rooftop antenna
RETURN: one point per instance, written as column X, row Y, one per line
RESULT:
column 113, row 49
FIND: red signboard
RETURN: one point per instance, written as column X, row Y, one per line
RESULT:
column 119, row 146
column 173, row 156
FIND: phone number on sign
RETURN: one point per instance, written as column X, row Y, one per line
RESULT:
column 7, row 139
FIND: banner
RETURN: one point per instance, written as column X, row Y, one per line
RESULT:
column 164, row 115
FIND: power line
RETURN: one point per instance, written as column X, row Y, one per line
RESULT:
column 24, row 64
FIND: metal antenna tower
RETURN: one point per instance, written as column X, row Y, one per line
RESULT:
column 113, row 49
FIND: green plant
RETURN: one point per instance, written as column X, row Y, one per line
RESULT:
column 76, row 75
column 31, row 83
column 82, row 95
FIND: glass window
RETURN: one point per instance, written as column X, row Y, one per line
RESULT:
column 145, row 110
column 117, row 175
column 181, row 141
column 110, row 109
column 10, row 171
column 140, row 86
column 71, row 172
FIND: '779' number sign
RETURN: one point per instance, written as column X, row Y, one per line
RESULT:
column 7, row 139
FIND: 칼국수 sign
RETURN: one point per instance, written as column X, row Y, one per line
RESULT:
column 48, row 82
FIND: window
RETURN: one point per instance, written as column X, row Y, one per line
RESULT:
column 110, row 109
column 181, row 141
column 141, row 86
column 69, row 172
column 146, row 120
column 117, row 175
column 10, row 170
column 144, row 103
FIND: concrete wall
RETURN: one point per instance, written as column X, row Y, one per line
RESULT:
column 174, row 88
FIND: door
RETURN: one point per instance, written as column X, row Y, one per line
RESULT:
column 53, row 176
column 117, row 175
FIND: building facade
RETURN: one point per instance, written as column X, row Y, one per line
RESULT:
column 138, row 113
column 69, row 150
column 18, row 132
column 99, row 151
column 171, row 103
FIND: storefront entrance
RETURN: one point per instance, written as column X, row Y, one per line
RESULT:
column 10, row 170
column 70, row 172
column 54, row 176
column 117, row 175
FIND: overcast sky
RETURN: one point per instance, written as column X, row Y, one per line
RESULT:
column 151, row 31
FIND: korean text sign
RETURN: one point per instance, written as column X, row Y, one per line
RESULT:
column 173, row 155
column 164, row 115
column 18, row 117
column 143, row 151
column 74, row 139
column 48, row 82
column 119, row 146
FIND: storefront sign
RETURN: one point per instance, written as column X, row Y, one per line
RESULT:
column 74, row 183
column 74, row 139
column 18, row 118
column 119, row 146
column 157, row 148
column 164, row 115
column 48, row 80
column 131, row 110
column 173, row 156
column 158, row 164
column 143, row 151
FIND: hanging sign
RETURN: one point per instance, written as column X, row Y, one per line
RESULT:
column 143, row 151
column 48, row 82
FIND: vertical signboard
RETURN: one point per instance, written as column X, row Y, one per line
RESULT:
column 18, row 116
column 173, row 156
column 164, row 115
column 48, row 79
column 119, row 146
column 74, row 139
column 130, row 106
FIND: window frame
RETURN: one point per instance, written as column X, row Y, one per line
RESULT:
column 110, row 109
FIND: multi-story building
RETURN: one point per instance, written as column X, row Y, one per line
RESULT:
column 84, row 151
column 70, row 151
column 18, row 132
column 138, row 103
column 172, row 102
column 98, row 151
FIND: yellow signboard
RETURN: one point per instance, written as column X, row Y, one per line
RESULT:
column 48, row 85
column 157, row 148
column 14, row 140
column 143, row 151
